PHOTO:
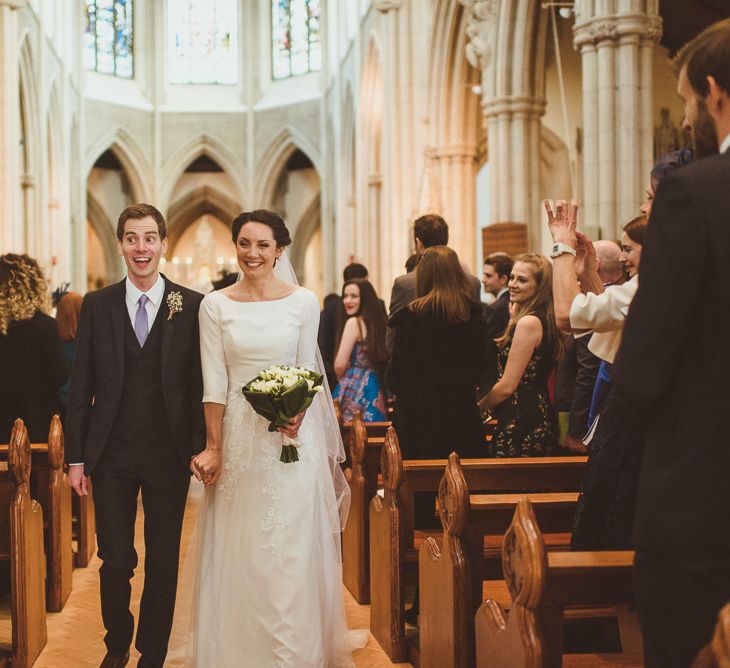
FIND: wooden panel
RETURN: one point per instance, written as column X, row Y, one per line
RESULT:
column 510, row 238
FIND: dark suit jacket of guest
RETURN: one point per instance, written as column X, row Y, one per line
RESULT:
column 500, row 309
column 404, row 292
column 434, row 371
column 32, row 369
column 97, row 379
column 673, row 366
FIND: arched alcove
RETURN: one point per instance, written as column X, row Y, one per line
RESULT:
column 290, row 185
column 198, row 222
column 103, row 265
column 28, row 153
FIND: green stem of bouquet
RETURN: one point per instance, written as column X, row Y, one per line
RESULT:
column 288, row 454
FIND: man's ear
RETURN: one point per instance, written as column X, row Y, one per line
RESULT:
column 716, row 98
column 503, row 280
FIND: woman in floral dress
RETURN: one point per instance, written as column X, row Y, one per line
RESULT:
column 361, row 353
column 527, row 424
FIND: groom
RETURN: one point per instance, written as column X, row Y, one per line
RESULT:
column 134, row 422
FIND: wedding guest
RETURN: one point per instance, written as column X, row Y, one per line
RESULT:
column 332, row 318
column 529, row 348
column 68, row 310
column 361, row 354
column 429, row 230
column 330, row 322
column 495, row 279
column 590, row 377
column 439, row 350
column 440, row 346
column 32, row 365
column 412, row 262
column 605, row 512
column 673, row 370
column 663, row 167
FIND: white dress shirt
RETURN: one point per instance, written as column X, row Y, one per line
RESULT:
column 154, row 295
column 605, row 314
column 725, row 144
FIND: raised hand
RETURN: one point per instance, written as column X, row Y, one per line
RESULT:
column 586, row 260
column 562, row 223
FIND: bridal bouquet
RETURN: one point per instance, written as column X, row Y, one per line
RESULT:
column 280, row 393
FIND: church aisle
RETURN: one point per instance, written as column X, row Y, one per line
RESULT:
column 75, row 635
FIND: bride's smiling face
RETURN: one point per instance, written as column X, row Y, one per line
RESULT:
column 256, row 250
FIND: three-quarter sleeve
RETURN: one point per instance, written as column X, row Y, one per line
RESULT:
column 212, row 353
column 605, row 312
column 307, row 346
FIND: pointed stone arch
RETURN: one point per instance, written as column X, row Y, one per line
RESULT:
column 132, row 158
column 186, row 210
column 308, row 225
column 104, row 230
column 29, row 127
column 202, row 144
column 274, row 159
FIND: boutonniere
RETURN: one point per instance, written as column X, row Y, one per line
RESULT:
column 174, row 304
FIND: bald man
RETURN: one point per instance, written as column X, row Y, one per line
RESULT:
column 610, row 272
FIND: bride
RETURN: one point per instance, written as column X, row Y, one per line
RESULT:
column 268, row 587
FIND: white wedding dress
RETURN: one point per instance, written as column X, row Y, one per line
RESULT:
column 269, row 586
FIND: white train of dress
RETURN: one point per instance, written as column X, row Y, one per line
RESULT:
column 269, row 586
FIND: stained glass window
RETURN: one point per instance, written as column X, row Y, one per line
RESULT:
column 203, row 41
column 296, row 44
column 108, row 37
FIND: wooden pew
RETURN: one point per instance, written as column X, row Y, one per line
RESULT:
column 363, row 478
column 21, row 543
column 716, row 654
column 452, row 577
column 49, row 486
column 85, row 523
column 393, row 545
column 542, row 585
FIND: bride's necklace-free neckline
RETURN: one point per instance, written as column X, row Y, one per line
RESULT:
column 246, row 299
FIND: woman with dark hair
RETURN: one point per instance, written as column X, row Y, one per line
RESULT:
column 663, row 167
column 269, row 530
column 361, row 353
column 527, row 424
column 32, row 367
column 68, row 310
column 440, row 350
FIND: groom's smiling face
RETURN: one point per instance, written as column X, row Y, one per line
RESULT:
column 142, row 249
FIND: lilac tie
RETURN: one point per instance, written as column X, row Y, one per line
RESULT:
column 141, row 325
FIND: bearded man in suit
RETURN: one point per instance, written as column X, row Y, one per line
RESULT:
column 134, row 422
column 673, row 367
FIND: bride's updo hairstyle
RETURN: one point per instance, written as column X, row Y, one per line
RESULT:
column 265, row 217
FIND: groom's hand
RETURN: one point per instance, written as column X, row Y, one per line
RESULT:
column 77, row 480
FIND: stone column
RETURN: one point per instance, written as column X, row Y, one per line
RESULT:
column 457, row 169
column 616, row 51
column 513, row 129
column 11, row 230
column 506, row 42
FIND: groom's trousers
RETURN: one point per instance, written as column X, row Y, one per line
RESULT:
column 123, row 472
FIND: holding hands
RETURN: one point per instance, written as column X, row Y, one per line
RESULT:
column 206, row 466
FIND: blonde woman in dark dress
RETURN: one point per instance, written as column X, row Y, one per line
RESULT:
column 527, row 424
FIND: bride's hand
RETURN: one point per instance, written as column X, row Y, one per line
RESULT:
column 292, row 427
column 207, row 466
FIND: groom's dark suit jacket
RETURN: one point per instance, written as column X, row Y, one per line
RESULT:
column 97, row 380
column 673, row 366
